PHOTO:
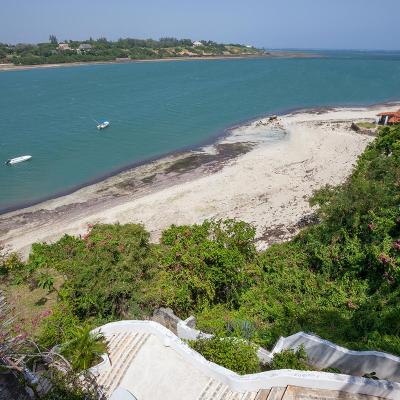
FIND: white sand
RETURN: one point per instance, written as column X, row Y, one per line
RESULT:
column 268, row 186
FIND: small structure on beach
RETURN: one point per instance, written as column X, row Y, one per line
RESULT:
column 389, row 118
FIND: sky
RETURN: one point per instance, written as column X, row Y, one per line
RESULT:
column 303, row 24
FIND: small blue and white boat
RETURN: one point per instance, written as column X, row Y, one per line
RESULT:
column 103, row 125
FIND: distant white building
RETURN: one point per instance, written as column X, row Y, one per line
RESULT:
column 197, row 44
column 85, row 47
column 63, row 46
column 249, row 46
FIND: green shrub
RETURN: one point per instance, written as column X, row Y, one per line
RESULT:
column 104, row 271
column 58, row 327
column 58, row 255
column 290, row 359
column 235, row 354
column 10, row 264
column 204, row 264
column 106, row 281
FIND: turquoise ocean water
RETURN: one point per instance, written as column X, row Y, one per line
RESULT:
column 157, row 108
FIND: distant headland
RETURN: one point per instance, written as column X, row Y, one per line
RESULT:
column 72, row 52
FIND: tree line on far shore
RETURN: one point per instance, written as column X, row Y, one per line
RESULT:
column 101, row 49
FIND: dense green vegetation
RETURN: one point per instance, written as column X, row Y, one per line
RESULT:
column 235, row 354
column 105, row 50
column 339, row 278
column 290, row 359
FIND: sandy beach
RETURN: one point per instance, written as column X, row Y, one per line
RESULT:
column 12, row 67
column 271, row 54
column 263, row 172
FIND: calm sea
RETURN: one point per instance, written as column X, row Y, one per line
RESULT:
column 156, row 108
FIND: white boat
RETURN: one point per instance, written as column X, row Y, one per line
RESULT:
column 103, row 125
column 17, row 160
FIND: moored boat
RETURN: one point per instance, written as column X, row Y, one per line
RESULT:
column 17, row 160
column 103, row 125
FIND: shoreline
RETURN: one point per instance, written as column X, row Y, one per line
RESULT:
column 272, row 54
column 242, row 175
column 183, row 151
column 212, row 140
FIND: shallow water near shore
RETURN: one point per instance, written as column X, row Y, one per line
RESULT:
column 157, row 108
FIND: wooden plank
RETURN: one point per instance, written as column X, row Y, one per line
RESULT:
column 262, row 394
column 276, row 393
column 300, row 393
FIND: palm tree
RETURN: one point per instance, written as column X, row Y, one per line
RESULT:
column 84, row 349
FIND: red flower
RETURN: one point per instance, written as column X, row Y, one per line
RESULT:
column 46, row 313
column 121, row 248
column 396, row 244
column 384, row 259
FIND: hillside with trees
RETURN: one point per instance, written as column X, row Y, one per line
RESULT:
column 339, row 278
column 92, row 50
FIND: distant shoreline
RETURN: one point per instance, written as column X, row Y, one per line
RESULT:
column 272, row 54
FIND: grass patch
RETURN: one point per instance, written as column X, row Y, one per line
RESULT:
column 31, row 303
column 366, row 125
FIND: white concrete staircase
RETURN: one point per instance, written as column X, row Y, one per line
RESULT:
column 152, row 363
column 123, row 347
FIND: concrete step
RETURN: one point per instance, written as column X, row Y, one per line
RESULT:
column 123, row 348
column 115, row 352
column 299, row 393
column 117, row 345
column 211, row 390
column 123, row 344
column 215, row 390
column 127, row 362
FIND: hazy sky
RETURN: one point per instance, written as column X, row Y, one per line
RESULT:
column 338, row 24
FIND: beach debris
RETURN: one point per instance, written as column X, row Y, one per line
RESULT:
column 264, row 122
column 355, row 127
